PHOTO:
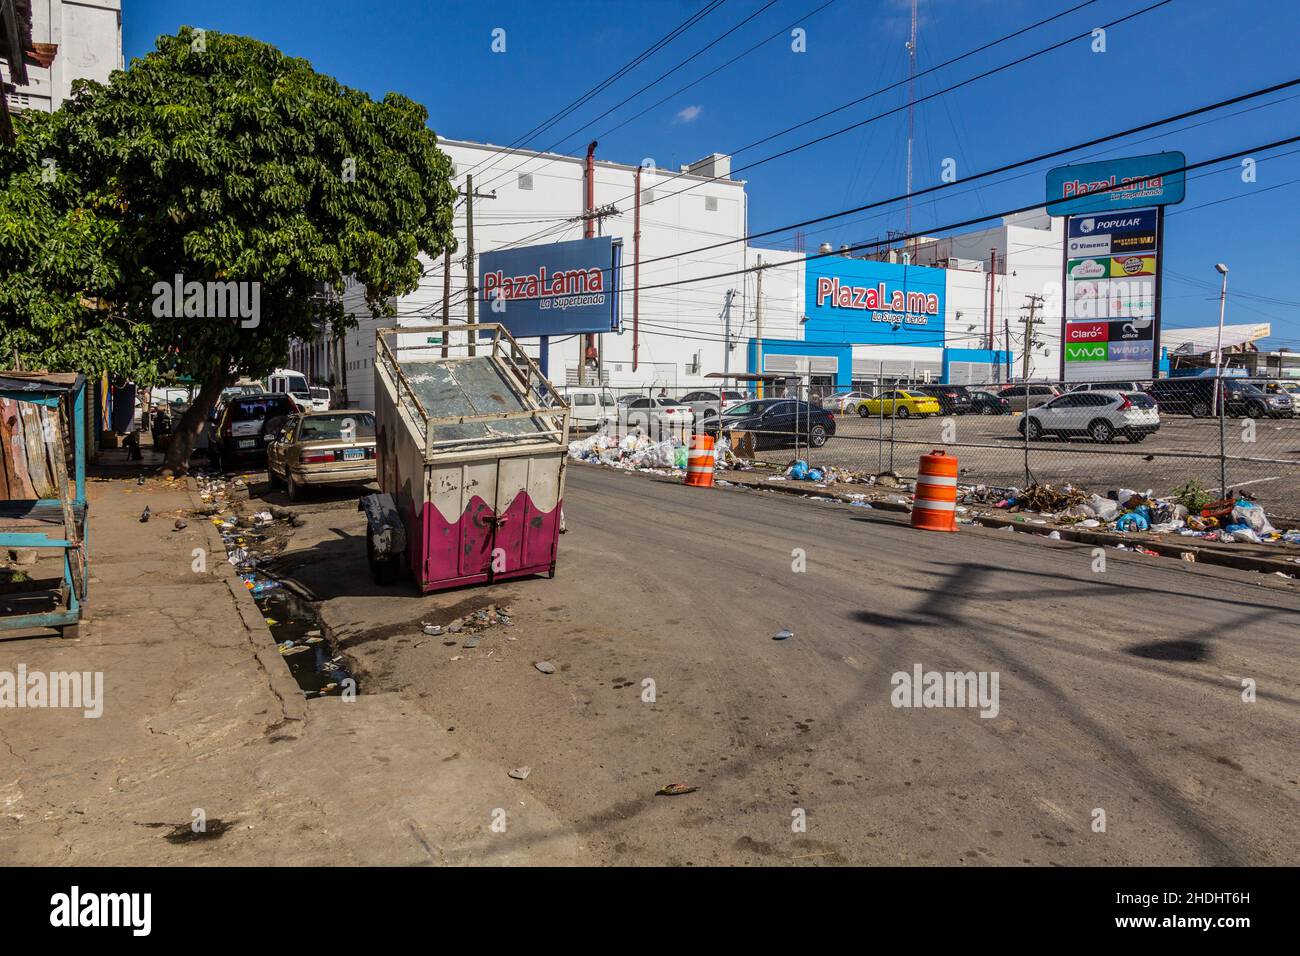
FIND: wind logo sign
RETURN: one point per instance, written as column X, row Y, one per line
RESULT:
column 208, row 300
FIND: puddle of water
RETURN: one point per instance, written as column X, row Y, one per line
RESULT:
column 294, row 623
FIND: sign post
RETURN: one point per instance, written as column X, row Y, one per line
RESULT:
column 1110, row 274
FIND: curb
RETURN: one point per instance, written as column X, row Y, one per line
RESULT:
column 293, row 703
column 1204, row 556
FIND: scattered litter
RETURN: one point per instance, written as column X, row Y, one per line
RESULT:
column 144, row 515
column 520, row 773
column 471, row 643
column 1055, row 536
column 180, row 525
column 433, row 629
column 546, row 667
column 783, row 635
column 674, row 790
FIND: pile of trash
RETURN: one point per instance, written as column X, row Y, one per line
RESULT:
column 640, row 452
column 801, row 470
column 1227, row 520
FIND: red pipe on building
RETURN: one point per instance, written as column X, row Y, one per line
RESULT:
column 636, row 273
column 589, row 226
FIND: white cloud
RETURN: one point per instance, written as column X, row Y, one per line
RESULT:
column 688, row 115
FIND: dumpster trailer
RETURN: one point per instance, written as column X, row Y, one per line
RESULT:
column 471, row 442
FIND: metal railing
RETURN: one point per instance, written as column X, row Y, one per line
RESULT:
column 1206, row 436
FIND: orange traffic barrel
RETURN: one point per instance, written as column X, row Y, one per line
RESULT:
column 699, row 466
column 934, row 505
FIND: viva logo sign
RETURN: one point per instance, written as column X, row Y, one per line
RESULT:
column 1080, row 352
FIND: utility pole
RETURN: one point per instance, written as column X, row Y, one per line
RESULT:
column 446, row 297
column 911, row 109
column 725, row 316
column 1033, row 304
column 758, row 327
column 472, row 293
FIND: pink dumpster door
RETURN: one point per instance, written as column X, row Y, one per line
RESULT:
column 458, row 522
column 528, row 514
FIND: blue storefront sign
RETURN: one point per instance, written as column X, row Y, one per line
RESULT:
column 873, row 303
column 1116, row 184
column 559, row 288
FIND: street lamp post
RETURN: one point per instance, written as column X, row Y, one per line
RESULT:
column 1218, row 380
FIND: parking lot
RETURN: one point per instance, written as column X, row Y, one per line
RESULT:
column 992, row 451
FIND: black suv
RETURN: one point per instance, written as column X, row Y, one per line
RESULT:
column 776, row 422
column 953, row 399
column 1195, row 397
column 240, row 431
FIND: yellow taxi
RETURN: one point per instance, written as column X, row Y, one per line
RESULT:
column 899, row 404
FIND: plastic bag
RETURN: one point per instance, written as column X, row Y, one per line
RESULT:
column 1251, row 515
column 1133, row 521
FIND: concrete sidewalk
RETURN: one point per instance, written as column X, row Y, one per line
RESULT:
column 200, row 713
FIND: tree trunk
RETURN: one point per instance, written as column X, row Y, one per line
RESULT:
column 186, row 432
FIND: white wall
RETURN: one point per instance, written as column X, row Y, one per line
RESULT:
column 88, row 34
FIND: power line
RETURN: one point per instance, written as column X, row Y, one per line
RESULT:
column 712, row 179
column 658, row 79
column 614, row 77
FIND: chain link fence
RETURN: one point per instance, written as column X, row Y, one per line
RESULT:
column 1204, row 435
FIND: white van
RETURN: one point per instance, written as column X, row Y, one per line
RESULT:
column 285, row 381
column 592, row 408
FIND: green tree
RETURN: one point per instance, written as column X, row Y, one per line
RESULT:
column 218, row 159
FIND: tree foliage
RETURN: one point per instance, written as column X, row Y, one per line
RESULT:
column 219, row 159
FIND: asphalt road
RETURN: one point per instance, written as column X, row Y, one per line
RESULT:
column 1119, row 691
column 863, row 445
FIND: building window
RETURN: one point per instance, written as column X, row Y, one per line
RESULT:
column 525, row 180
column 710, row 203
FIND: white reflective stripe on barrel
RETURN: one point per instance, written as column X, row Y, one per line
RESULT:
column 935, row 505
column 936, row 480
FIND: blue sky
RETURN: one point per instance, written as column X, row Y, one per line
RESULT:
column 1180, row 56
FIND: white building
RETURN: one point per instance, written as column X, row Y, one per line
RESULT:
column 540, row 199
column 71, row 40
column 972, row 291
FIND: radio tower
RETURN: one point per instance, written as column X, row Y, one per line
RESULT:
column 911, row 122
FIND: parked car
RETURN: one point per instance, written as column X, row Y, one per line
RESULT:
column 1125, row 387
column 707, row 405
column 953, row 399
column 656, row 415
column 1195, row 397
column 987, row 403
column 1099, row 415
column 313, row 449
column 1031, row 394
column 899, row 403
column 844, row 401
column 776, row 422
column 321, row 398
column 239, row 433
column 591, row 408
